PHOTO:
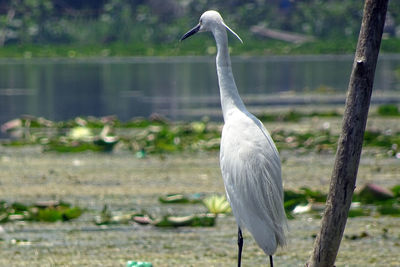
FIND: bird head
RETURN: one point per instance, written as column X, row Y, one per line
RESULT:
column 209, row 21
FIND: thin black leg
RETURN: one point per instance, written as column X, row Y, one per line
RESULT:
column 271, row 262
column 240, row 244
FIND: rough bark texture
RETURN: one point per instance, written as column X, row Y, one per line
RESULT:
column 344, row 174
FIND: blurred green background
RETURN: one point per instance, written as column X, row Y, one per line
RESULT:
column 73, row 28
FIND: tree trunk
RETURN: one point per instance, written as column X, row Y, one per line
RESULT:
column 348, row 153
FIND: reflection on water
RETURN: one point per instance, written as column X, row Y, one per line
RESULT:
column 180, row 88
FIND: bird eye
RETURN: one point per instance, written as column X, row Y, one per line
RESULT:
column 201, row 21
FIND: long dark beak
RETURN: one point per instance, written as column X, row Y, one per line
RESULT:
column 191, row 32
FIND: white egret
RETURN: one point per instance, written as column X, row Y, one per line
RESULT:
column 249, row 160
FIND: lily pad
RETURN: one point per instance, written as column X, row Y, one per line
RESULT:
column 372, row 193
column 389, row 209
column 181, row 198
column 357, row 212
column 197, row 220
column 388, row 110
column 174, row 198
column 48, row 211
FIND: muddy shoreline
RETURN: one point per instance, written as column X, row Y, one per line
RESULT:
column 126, row 183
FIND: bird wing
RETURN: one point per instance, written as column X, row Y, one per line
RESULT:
column 251, row 171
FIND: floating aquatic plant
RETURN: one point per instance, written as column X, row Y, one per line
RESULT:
column 370, row 199
column 49, row 211
column 158, row 136
column 196, row 220
column 181, row 198
column 388, row 110
column 217, row 204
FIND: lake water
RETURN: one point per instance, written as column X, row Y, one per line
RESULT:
column 178, row 88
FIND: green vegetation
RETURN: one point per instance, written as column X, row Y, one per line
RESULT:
column 198, row 220
column 143, row 218
column 51, row 211
column 388, row 110
column 46, row 28
column 158, row 136
column 197, row 46
column 380, row 201
column 294, row 116
column 357, row 212
column 181, row 199
column 377, row 203
column 301, row 201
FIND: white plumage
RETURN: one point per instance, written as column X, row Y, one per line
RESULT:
column 249, row 160
column 251, row 171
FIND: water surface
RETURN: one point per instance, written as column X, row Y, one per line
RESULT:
column 178, row 88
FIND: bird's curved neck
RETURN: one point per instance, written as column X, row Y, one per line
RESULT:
column 230, row 99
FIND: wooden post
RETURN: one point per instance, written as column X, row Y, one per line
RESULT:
column 348, row 153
